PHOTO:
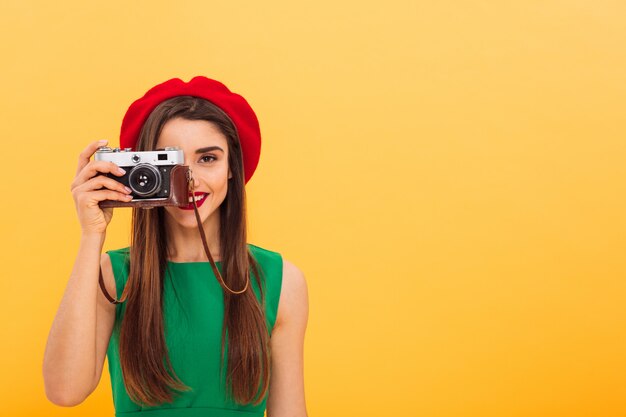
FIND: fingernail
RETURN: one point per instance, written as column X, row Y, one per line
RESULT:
column 121, row 171
column 103, row 141
column 128, row 190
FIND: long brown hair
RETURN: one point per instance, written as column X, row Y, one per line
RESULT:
column 148, row 374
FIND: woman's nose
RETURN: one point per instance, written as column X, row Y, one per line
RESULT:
column 196, row 183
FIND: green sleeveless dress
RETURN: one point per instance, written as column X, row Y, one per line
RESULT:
column 193, row 315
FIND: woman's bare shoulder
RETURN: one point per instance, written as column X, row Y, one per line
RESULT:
column 293, row 305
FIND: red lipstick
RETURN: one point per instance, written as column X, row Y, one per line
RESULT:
column 200, row 197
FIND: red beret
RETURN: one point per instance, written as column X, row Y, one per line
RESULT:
column 234, row 105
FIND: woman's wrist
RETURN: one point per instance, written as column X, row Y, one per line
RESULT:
column 92, row 238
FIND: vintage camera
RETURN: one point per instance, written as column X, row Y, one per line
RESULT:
column 156, row 178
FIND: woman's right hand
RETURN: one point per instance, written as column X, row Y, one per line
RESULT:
column 89, row 188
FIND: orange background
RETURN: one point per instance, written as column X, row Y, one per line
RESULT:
column 449, row 176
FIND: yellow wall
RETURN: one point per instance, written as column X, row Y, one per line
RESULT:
column 449, row 175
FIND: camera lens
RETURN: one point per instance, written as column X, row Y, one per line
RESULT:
column 144, row 180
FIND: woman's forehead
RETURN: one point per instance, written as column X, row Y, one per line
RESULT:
column 191, row 134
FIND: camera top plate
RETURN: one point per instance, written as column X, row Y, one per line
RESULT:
column 127, row 157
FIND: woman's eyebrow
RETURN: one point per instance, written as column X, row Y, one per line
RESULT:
column 209, row 148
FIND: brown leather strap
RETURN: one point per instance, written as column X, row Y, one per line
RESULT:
column 106, row 293
column 206, row 250
column 179, row 180
column 206, row 246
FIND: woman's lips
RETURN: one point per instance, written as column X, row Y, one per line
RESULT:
column 200, row 197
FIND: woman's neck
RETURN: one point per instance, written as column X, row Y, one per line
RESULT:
column 185, row 245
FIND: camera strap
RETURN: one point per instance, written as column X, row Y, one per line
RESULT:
column 206, row 246
column 217, row 273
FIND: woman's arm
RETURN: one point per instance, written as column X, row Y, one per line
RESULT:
column 83, row 323
column 70, row 366
column 286, row 391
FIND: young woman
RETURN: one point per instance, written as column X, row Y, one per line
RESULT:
column 181, row 340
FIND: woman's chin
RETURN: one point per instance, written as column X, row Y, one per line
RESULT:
column 186, row 218
column 187, row 223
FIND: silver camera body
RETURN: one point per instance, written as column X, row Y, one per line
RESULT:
column 147, row 172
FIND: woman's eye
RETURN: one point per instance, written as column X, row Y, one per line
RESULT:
column 208, row 158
